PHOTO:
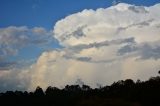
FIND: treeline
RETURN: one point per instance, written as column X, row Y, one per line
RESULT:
column 121, row 93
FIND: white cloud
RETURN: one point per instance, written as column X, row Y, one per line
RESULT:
column 103, row 24
column 54, row 69
column 101, row 46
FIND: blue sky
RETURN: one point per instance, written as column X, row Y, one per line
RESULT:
column 44, row 13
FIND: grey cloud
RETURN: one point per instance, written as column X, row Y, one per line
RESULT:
column 140, row 25
column 158, row 26
column 143, row 23
column 11, row 81
column 70, row 52
column 126, row 49
column 12, row 65
column 138, row 9
column 7, row 65
column 100, row 44
column 77, row 33
column 89, row 59
column 6, row 50
column 103, row 61
column 142, row 51
column 14, row 38
column 84, row 58
column 22, row 36
column 147, row 51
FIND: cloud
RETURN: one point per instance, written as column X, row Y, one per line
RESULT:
column 14, row 80
column 143, row 50
column 138, row 9
column 13, row 38
column 6, row 65
column 104, row 25
column 55, row 70
column 101, row 46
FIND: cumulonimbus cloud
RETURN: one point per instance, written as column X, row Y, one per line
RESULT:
column 101, row 46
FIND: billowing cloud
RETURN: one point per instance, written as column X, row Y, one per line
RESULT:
column 103, row 24
column 101, row 46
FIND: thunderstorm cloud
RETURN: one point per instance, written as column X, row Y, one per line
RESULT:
column 98, row 46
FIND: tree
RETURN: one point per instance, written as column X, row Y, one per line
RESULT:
column 86, row 87
column 129, row 82
column 39, row 92
column 50, row 91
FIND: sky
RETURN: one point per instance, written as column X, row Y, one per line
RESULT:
column 56, row 42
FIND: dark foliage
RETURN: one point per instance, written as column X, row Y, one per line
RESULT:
column 121, row 93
